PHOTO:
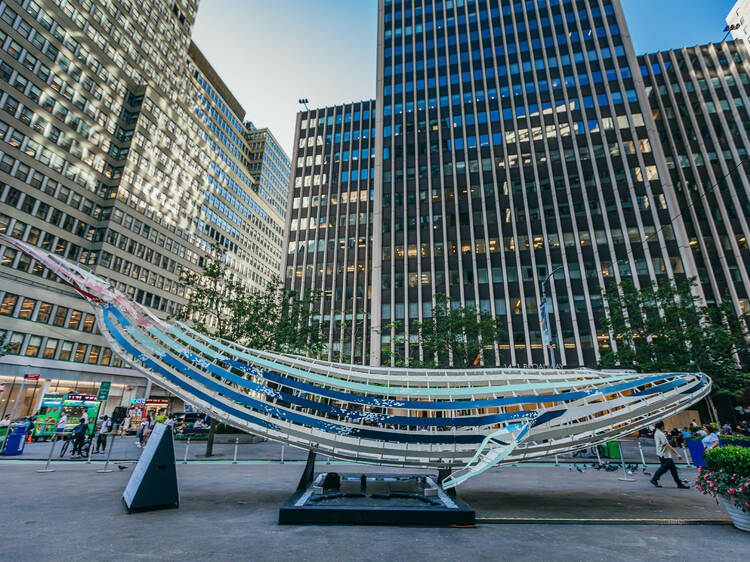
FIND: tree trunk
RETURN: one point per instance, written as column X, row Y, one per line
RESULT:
column 210, row 441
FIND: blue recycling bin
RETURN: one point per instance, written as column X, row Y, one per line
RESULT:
column 16, row 442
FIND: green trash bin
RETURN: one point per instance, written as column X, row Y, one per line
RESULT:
column 613, row 450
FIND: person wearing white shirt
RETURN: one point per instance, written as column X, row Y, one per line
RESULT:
column 61, row 423
column 101, row 439
column 125, row 425
column 663, row 451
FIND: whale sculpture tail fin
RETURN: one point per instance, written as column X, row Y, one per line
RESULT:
column 492, row 450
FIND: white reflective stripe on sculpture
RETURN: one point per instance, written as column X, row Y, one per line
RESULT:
column 469, row 420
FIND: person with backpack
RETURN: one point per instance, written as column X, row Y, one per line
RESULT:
column 101, row 439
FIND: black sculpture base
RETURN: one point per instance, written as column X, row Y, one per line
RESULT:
column 374, row 499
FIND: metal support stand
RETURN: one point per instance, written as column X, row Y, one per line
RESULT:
column 444, row 473
column 688, row 459
column 308, row 474
column 187, row 448
column 598, row 456
column 236, row 444
column 49, row 459
column 282, row 455
column 624, row 470
column 91, row 447
column 640, row 449
column 557, row 461
column 109, row 455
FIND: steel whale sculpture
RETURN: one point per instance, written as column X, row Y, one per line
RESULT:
column 465, row 420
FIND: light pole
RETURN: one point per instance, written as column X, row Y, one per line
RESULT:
column 545, row 316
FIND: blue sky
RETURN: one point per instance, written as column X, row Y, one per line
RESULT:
column 271, row 53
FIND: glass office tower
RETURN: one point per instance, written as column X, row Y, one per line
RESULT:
column 238, row 214
column 513, row 142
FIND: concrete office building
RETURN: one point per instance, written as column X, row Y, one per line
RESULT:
column 699, row 100
column 330, row 222
column 269, row 166
column 122, row 150
column 513, row 139
column 738, row 21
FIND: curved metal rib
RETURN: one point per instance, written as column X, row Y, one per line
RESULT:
column 465, row 419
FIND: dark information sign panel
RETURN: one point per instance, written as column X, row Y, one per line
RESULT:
column 153, row 484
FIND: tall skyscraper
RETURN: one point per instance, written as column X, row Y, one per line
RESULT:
column 269, row 165
column 330, row 222
column 240, row 214
column 122, row 150
column 515, row 141
column 699, row 99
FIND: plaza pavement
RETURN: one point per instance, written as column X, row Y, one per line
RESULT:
column 229, row 512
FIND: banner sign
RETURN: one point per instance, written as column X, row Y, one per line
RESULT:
column 546, row 333
column 155, row 402
column 32, row 377
column 81, row 397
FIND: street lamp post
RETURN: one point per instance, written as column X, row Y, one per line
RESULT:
column 546, row 319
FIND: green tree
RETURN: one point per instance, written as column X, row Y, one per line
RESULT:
column 665, row 328
column 275, row 319
column 452, row 336
column 214, row 300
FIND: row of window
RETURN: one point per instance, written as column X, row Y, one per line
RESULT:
column 26, row 308
column 29, row 345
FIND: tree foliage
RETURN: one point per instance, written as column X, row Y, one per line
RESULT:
column 665, row 328
column 274, row 319
column 452, row 336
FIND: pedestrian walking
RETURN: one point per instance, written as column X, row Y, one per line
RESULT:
column 146, row 427
column 101, row 439
column 663, row 451
column 30, row 425
column 125, row 426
